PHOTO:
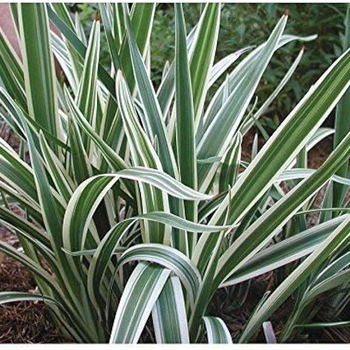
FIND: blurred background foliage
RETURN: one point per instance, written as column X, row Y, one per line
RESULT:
column 245, row 24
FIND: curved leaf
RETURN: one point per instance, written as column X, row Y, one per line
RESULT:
column 170, row 258
column 169, row 314
column 140, row 294
column 297, row 277
column 279, row 254
column 217, row 331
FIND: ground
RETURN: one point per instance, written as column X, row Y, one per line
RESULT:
column 30, row 322
column 23, row 322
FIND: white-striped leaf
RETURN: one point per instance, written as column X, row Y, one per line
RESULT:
column 170, row 258
column 169, row 314
column 298, row 276
column 282, row 211
column 284, row 252
column 217, row 331
column 39, row 69
column 140, row 294
column 153, row 123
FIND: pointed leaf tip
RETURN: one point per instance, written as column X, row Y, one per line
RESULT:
column 97, row 16
column 286, row 12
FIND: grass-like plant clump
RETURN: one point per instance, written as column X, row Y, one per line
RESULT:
column 135, row 205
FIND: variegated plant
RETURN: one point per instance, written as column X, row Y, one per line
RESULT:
column 320, row 285
column 134, row 205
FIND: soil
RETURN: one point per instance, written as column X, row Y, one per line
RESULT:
column 30, row 322
column 24, row 322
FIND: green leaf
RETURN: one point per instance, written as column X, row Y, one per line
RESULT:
column 80, row 164
column 169, row 314
column 180, row 223
column 11, row 71
column 333, row 268
column 11, row 116
column 101, row 258
column 274, row 94
column 185, row 141
column 339, row 324
column 64, row 15
column 111, row 244
column 63, row 182
column 142, row 151
column 39, row 71
column 87, row 92
column 153, row 124
column 205, row 294
column 116, row 162
column 90, row 193
column 109, row 22
column 69, row 55
column 80, row 209
column 220, row 67
column 202, row 55
column 295, row 173
column 64, row 57
column 281, row 253
column 24, row 227
column 141, row 21
column 297, row 277
column 237, row 76
column 338, row 279
column 52, row 211
column 16, row 172
column 79, row 47
column 185, row 136
column 342, row 124
column 164, row 182
column 230, row 165
column 267, row 225
column 140, row 294
column 170, row 258
column 290, row 137
column 227, row 120
column 217, row 331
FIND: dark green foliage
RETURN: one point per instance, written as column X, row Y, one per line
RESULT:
column 244, row 24
column 325, row 20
